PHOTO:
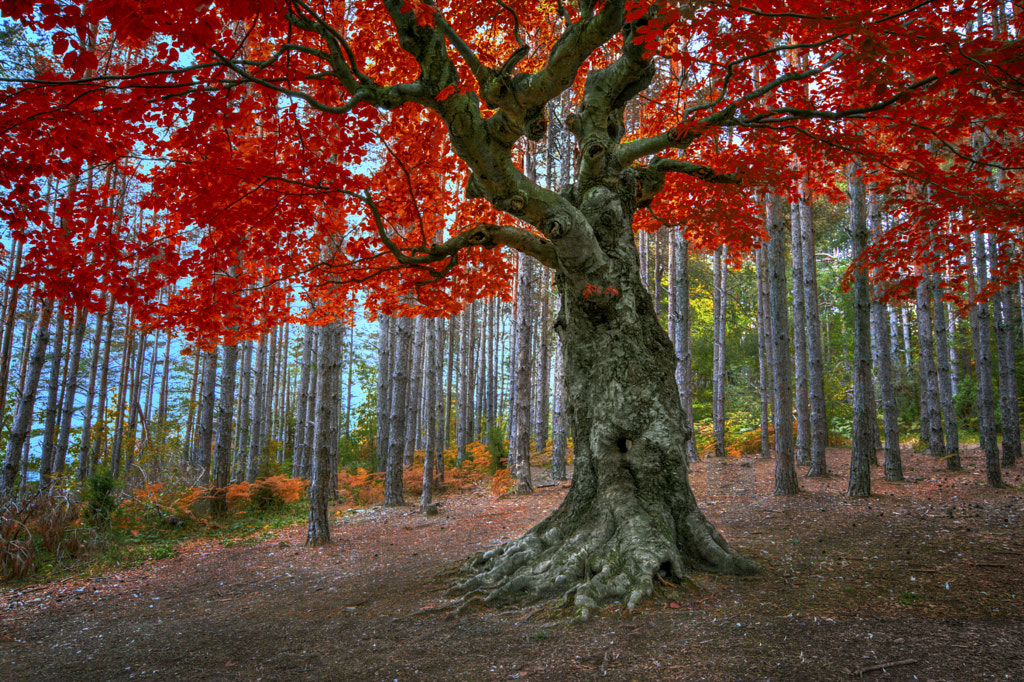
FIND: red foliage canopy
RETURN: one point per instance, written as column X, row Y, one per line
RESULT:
column 241, row 155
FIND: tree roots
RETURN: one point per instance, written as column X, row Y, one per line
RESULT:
column 611, row 553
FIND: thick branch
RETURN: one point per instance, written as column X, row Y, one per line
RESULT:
column 697, row 170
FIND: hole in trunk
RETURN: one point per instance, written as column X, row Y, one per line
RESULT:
column 624, row 444
column 665, row 570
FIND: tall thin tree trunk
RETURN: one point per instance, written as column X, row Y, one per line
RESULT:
column 863, row 404
column 983, row 366
column 412, row 417
column 429, row 340
column 929, row 373
column 802, row 402
column 71, row 388
column 945, row 377
column 520, row 446
column 883, row 347
column 204, row 442
column 325, row 440
column 221, row 474
column 1009, row 411
column 681, row 339
column 815, row 356
column 99, row 444
column 47, row 461
column 84, row 470
column 385, row 326
column 399, row 404
column 300, row 452
column 255, row 457
column 785, row 468
column 718, row 333
column 764, row 345
column 22, row 425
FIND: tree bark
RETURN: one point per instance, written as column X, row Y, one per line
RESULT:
column 718, row 332
column 815, row 356
column 385, row 328
column 204, row 442
column 983, row 366
column 883, row 347
column 863, row 404
column 399, row 404
column 325, row 440
column 519, row 442
column 21, row 428
column 929, row 374
column 785, row 466
column 802, row 402
column 945, row 377
column 1009, row 412
column 301, row 451
column 765, row 364
column 221, row 474
column 254, row 459
column 47, row 460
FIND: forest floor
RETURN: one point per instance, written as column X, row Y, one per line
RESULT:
column 923, row 581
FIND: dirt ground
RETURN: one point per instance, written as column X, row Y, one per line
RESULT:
column 921, row 582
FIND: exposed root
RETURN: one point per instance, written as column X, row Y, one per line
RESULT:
column 616, row 553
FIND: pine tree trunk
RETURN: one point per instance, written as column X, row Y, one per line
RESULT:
column 718, row 332
column 785, row 466
column 462, row 411
column 254, row 459
column 325, row 440
column 99, row 444
column 84, row 470
column 815, row 357
column 765, row 365
column 681, row 339
column 412, row 416
column 543, row 406
column 884, row 349
column 983, row 365
column 71, row 388
column 519, row 443
column 945, row 377
column 204, row 442
column 240, row 464
column 21, row 428
column 221, row 474
column 801, row 401
column 399, row 405
column 47, row 460
column 1009, row 412
column 863, row 403
column 928, row 371
column 385, row 362
column 300, row 453
column 430, row 377
column 559, row 421
column 9, row 320
column 314, row 352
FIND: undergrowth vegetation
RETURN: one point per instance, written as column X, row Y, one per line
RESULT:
column 104, row 523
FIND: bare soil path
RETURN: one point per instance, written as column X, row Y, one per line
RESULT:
column 924, row 581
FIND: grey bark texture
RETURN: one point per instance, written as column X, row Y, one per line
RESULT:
column 802, row 445
column 399, row 404
column 325, row 439
column 863, row 403
column 221, row 472
column 980, row 330
column 718, row 359
column 815, row 355
column 1009, row 411
column 883, row 347
column 931, row 412
column 22, row 425
column 785, row 464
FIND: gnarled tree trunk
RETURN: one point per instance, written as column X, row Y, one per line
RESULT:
column 630, row 515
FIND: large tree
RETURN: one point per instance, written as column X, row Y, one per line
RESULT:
column 261, row 140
